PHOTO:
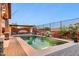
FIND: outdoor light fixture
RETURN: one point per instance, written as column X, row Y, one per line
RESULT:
column 3, row 12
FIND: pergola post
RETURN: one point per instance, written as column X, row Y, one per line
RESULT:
column 6, row 29
column 0, row 24
column 6, row 15
column 6, row 25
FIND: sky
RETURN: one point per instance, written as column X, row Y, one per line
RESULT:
column 42, row 13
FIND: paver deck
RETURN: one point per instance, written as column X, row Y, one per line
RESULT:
column 71, row 51
column 14, row 49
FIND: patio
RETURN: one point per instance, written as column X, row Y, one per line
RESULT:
column 14, row 49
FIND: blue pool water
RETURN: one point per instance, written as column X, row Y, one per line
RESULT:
column 41, row 42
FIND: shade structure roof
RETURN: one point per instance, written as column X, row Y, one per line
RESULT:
column 22, row 25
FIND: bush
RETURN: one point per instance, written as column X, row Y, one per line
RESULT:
column 62, row 32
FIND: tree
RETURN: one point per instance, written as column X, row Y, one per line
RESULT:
column 62, row 31
column 73, row 30
column 47, row 28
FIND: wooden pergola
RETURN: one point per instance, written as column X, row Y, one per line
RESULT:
column 16, row 28
column 5, row 14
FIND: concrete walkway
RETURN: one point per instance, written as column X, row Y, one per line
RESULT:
column 71, row 51
column 14, row 49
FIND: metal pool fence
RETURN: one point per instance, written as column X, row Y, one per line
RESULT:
column 55, row 26
column 64, row 23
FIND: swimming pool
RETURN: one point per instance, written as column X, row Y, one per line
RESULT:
column 41, row 42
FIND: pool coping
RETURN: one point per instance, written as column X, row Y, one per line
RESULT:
column 54, row 49
column 30, row 51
